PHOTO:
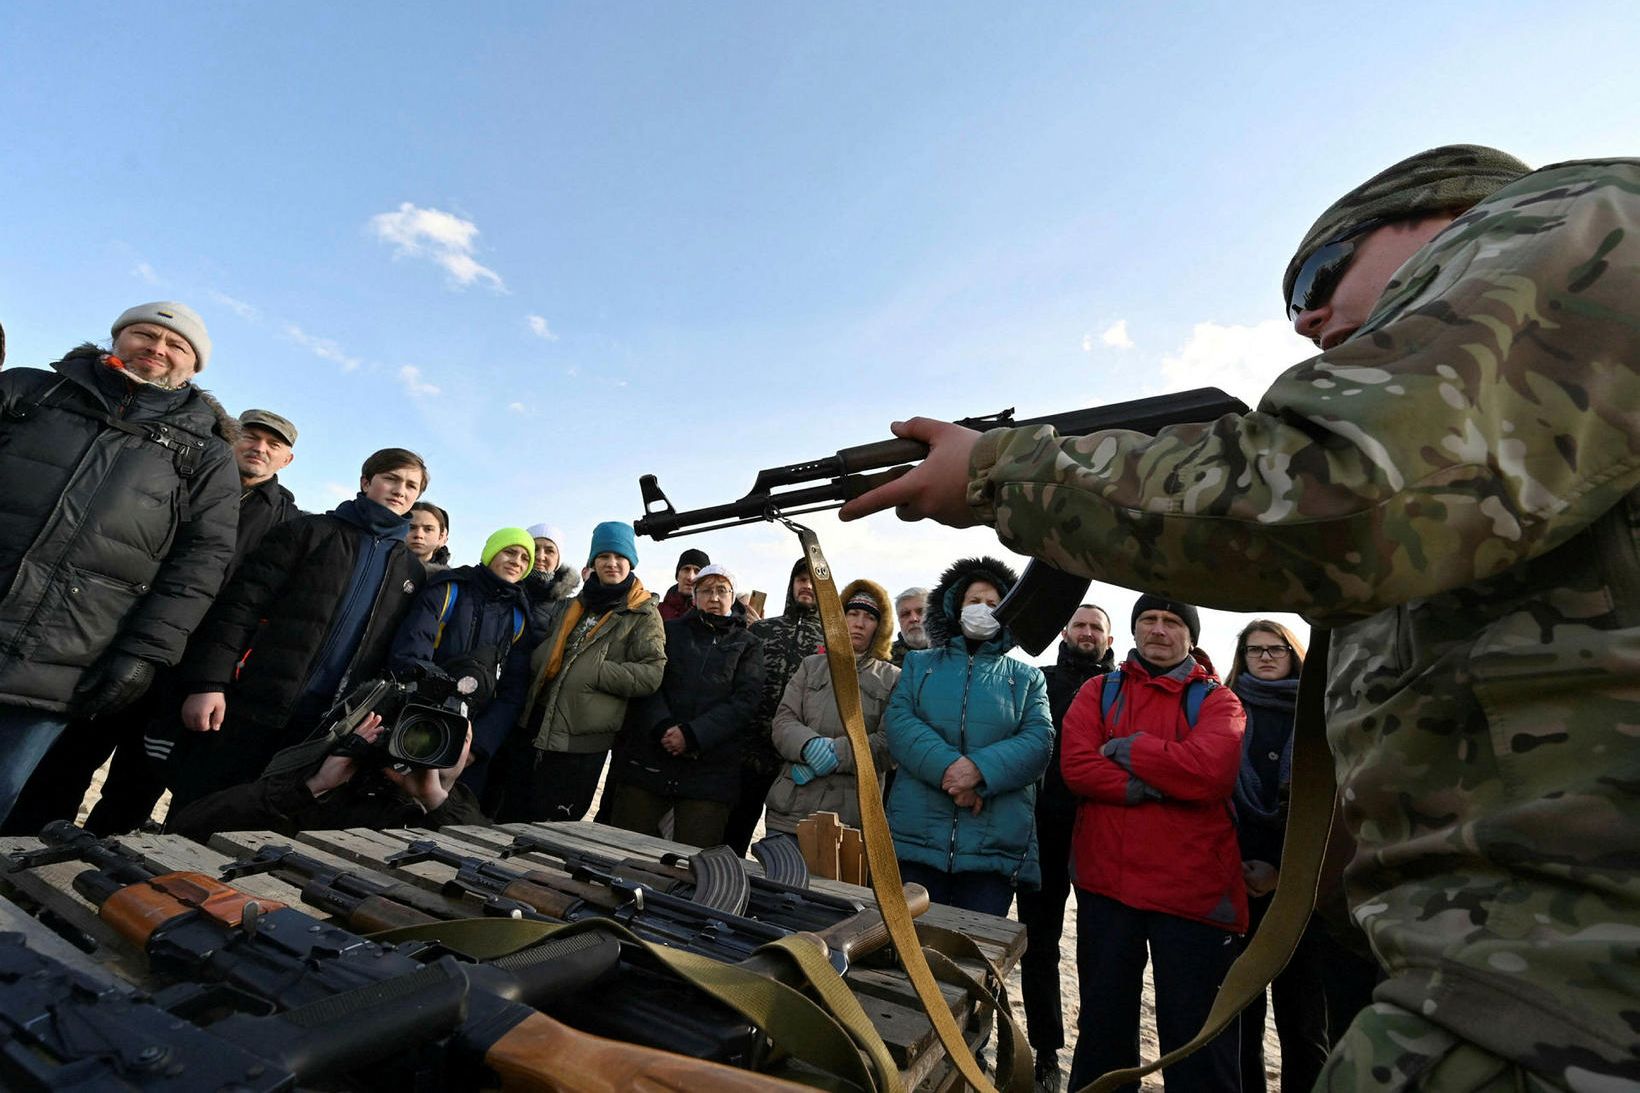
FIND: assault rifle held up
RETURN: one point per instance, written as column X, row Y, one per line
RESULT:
column 193, row 929
column 1045, row 597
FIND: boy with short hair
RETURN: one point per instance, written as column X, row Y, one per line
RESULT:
column 312, row 612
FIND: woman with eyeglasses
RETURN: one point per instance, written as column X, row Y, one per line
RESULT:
column 1264, row 675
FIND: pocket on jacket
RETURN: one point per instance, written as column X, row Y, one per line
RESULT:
column 94, row 609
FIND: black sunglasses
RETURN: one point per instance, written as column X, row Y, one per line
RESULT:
column 1318, row 277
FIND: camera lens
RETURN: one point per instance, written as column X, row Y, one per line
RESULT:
column 420, row 739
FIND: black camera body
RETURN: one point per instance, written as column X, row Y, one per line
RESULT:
column 424, row 721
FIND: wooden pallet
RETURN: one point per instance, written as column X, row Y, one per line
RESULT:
column 884, row 992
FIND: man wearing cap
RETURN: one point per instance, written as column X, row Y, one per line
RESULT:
column 1150, row 753
column 266, row 445
column 1453, row 484
column 116, row 528
column 681, row 596
column 261, row 450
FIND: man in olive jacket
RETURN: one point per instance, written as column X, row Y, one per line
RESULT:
column 116, row 526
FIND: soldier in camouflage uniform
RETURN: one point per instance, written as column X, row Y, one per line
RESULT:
column 1453, row 484
column 787, row 638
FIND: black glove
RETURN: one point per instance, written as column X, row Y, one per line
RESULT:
column 118, row 680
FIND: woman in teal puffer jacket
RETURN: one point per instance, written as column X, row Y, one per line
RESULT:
column 970, row 729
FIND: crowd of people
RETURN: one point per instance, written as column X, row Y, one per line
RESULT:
column 215, row 641
column 211, row 637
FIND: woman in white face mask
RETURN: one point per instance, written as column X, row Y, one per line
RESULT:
column 970, row 729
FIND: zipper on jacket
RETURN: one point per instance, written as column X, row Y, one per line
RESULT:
column 375, row 605
column 962, row 746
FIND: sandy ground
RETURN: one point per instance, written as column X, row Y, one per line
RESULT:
column 1067, row 982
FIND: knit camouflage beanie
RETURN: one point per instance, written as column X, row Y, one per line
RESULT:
column 1450, row 178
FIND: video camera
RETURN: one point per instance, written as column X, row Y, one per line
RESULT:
column 424, row 717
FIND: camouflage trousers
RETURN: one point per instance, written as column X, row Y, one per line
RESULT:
column 1388, row 1048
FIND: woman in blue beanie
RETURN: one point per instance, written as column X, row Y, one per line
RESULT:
column 598, row 651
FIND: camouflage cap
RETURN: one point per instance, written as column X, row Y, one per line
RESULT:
column 1451, row 177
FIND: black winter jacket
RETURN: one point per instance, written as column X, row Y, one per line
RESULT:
column 118, row 506
column 274, row 615
column 488, row 621
column 1065, row 678
column 713, row 681
column 262, row 508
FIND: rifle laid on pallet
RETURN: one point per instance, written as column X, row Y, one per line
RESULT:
column 61, row 1028
column 589, row 891
column 1043, row 599
column 715, row 878
column 199, row 931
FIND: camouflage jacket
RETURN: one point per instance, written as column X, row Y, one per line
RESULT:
column 787, row 639
column 1455, row 489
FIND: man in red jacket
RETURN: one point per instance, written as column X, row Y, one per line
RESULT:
column 1151, row 751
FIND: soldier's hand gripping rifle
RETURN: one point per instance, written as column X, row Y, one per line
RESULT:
column 194, row 928
column 1043, row 600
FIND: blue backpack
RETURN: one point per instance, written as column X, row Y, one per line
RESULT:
column 1195, row 693
column 452, row 592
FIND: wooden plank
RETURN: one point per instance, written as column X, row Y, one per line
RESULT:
column 49, row 890
column 40, row 938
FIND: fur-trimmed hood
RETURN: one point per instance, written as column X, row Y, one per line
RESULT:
column 543, row 588
column 943, row 620
column 225, row 425
column 881, row 644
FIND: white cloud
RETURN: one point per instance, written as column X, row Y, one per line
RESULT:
column 1117, row 335
column 439, row 236
column 414, row 385
column 1242, row 360
column 539, row 327
column 339, row 491
column 516, row 407
column 238, row 307
column 323, row 348
column 145, row 272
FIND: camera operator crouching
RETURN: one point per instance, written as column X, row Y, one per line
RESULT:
column 400, row 770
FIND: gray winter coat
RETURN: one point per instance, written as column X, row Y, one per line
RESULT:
column 809, row 709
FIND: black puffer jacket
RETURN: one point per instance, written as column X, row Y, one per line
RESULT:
column 274, row 615
column 1064, row 679
column 109, row 539
column 713, row 681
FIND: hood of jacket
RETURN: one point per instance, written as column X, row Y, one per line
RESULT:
column 84, row 365
column 882, row 644
column 795, row 608
column 561, row 584
column 944, row 618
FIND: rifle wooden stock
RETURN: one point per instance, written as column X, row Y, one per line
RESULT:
column 375, row 913
column 865, row 931
column 540, row 1055
column 544, row 897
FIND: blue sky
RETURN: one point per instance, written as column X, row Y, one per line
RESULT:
column 553, row 247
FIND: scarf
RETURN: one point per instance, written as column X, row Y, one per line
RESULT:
column 598, row 599
column 1274, row 698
